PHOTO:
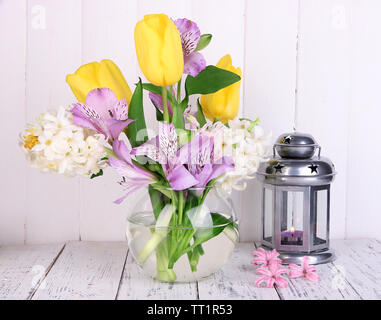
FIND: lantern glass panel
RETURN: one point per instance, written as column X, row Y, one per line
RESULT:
column 268, row 202
column 292, row 218
column 320, row 223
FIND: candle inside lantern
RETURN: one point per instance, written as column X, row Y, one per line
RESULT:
column 292, row 237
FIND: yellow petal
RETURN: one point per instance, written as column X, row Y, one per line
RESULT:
column 84, row 80
column 111, row 77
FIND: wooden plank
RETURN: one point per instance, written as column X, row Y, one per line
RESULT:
column 23, row 268
column 326, row 289
column 12, row 116
column 269, row 80
column 54, row 42
column 135, row 285
column 324, row 90
column 85, row 270
column 109, row 29
column 236, row 280
column 360, row 263
column 363, row 204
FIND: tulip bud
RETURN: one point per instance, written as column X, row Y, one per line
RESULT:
column 159, row 50
column 105, row 74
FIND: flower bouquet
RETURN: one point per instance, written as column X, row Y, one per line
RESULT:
column 185, row 228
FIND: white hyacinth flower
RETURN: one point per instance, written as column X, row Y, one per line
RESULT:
column 55, row 144
column 246, row 142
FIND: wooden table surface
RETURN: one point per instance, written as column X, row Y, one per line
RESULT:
column 106, row 270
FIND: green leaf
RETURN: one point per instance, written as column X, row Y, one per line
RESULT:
column 156, row 89
column 135, row 112
column 210, row 80
column 204, row 41
column 219, row 224
column 178, row 114
column 157, row 201
column 159, row 115
column 200, row 117
column 95, row 175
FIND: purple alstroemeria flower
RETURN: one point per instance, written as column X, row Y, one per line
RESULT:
column 163, row 149
column 102, row 113
column 133, row 176
column 194, row 61
column 191, row 165
column 199, row 156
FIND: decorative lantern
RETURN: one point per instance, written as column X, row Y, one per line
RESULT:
column 295, row 199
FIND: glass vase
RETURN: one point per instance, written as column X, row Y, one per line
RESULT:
column 181, row 236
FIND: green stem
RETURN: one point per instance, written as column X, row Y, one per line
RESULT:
column 181, row 207
column 163, row 273
column 179, row 91
column 165, row 104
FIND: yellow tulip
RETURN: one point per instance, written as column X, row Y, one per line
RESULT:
column 159, row 50
column 223, row 105
column 105, row 74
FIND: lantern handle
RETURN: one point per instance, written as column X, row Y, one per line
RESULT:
column 319, row 147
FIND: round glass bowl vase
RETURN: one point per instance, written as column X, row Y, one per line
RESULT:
column 181, row 236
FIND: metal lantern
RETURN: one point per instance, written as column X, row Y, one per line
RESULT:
column 295, row 199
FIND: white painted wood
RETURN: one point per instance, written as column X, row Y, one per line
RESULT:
column 109, row 34
column 359, row 260
column 269, row 73
column 338, row 72
column 23, row 268
column 236, row 280
column 54, row 50
column 325, row 289
column 364, row 139
column 85, row 270
column 12, row 117
column 323, row 90
column 99, row 270
column 135, row 285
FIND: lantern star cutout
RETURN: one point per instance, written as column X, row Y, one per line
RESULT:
column 278, row 168
column 313, row 168
column 287, row 140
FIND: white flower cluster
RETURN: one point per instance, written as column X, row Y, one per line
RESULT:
column 246, row 142
column 55, row 144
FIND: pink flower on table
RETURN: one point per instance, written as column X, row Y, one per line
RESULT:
column 272, row 276
column 266, row 258
column 102, row 113
column 194, row 61
column 305, row 270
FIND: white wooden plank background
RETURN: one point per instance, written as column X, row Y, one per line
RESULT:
column 53, row 51
column 12, row 115
column 85, row 270
column 270, row 57
column 23, row 268
column 99, row 270
column 135, row 286
column 335, row 74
